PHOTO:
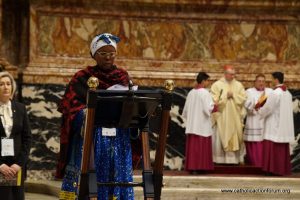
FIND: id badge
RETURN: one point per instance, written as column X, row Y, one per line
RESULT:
column 7, row 147
column 112, row 132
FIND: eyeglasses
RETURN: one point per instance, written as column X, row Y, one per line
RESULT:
column 106, row 54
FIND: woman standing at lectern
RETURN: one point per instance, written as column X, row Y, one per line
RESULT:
column 112, row 154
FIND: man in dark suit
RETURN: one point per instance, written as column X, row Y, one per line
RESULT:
column 15, row 138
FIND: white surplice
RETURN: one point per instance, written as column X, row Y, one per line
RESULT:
column 197, row 112
column 254, row 127
column 278, row 115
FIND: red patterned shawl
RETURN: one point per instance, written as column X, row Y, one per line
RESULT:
column 74, row 100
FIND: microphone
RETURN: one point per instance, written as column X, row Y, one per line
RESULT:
column 130, row 84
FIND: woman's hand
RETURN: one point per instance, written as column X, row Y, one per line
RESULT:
column 16, row 168
column 7, row 171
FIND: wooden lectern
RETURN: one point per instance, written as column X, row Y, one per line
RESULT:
column 126, row 109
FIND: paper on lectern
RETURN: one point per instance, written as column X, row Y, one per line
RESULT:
column 121, row 87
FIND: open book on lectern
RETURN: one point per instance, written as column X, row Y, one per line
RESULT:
column 122, row 108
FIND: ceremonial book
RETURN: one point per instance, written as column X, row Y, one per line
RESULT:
column 261, row 101
column 15, row 181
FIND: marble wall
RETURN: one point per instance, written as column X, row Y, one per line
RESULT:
column 41, row 101
column 145, row 39
column 45, row 120
column 166, row 39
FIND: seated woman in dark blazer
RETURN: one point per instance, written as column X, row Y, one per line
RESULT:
column 15, row 136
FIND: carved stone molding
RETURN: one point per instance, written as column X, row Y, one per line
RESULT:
column 167, row 39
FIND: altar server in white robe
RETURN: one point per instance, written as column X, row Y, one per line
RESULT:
column 230, row 96
column 279, row 128
column 197, row 112
column 253, row 132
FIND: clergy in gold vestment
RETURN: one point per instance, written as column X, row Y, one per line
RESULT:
column 229, row 94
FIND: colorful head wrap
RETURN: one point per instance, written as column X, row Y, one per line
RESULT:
column 102, row 40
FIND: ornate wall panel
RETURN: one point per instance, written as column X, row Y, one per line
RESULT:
column 167, row 39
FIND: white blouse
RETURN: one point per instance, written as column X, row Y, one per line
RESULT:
column 6, row 117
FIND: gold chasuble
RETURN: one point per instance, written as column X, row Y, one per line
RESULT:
column 231, row 113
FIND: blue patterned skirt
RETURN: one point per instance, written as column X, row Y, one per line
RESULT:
column 112, row 158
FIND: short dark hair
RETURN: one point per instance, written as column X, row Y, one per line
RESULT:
column 279, row 76
column 260, row 75
column 202, row 76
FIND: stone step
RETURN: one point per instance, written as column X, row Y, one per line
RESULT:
column 217, row 194
column 237, row 169
column 36, row 196
column 191, row 194
column 203, row 187
column 218, row 182
column 51, row 188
